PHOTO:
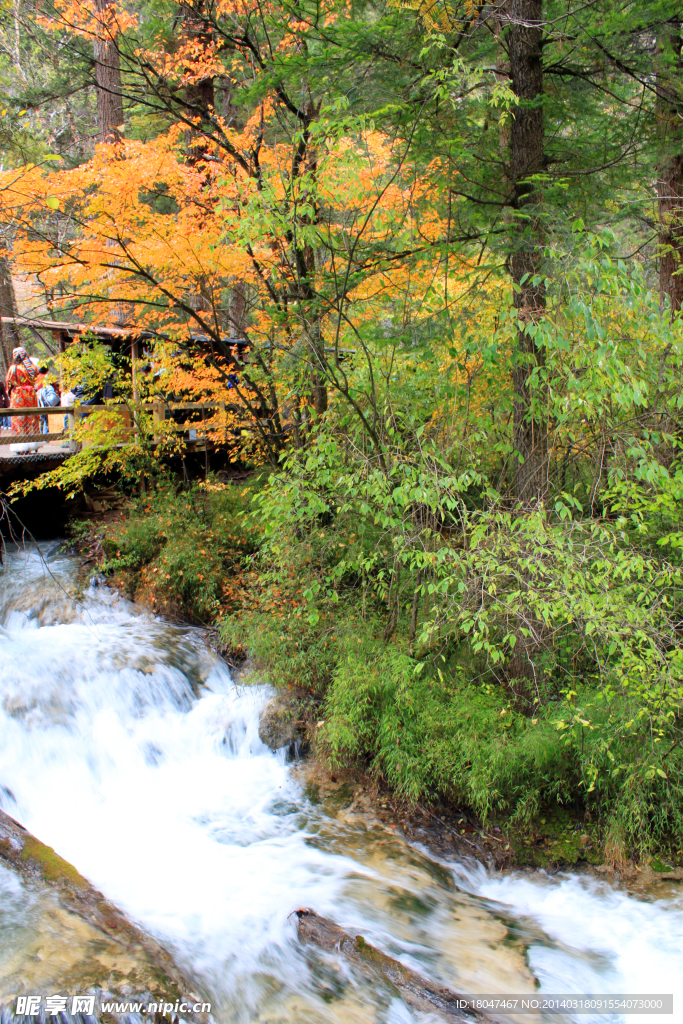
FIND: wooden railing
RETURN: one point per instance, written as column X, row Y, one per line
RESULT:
column 158, row 409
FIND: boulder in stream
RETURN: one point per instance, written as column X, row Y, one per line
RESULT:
column 278, row 725
column 77, row 941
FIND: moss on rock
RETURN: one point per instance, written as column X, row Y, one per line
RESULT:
column 53, row 867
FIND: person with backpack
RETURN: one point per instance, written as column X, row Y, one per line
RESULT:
column 48, row 397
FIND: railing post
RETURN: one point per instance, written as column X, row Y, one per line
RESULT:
column 159, row 416
column 75, row 419
column 206, row 445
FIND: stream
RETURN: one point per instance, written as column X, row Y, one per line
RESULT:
column 126, row 746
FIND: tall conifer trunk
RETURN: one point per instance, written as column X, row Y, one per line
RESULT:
column 199, row 100
column 670, row 170
column 107, row 81
column 530, row 436
column 524, row 40
column 199, row 95
column 9, row 335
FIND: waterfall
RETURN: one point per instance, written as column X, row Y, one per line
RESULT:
column 126, row 746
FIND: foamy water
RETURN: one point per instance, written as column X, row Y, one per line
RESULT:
column 125, row 745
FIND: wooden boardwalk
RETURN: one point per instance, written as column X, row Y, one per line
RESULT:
column 50, row 450
column 47, row 451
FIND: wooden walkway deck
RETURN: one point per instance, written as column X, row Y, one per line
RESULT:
column 50, row 450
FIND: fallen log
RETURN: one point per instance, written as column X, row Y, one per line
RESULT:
column 155, row 971
column 416, row 990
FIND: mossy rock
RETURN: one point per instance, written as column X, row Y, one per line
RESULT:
column 147, row 965
column 556, row 839
column 417, row 991
column 661, row 866
column 278, row 726
column 53, row 867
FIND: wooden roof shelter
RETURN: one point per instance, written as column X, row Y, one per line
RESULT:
column 51, row 449
column 63, row 331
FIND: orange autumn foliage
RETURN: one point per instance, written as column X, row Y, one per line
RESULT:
column 319, row 236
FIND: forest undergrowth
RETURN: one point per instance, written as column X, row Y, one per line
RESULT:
column 431, row 721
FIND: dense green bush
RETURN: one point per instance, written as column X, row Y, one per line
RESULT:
column 425, row 709
column 432, row 736
column 436, row 732
column 287, row 651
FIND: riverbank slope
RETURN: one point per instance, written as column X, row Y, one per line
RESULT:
column 444, row 748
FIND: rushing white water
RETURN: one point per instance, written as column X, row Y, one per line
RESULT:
column 125, row 745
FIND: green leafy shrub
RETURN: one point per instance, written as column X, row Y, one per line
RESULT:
column 287, row 651
column 431, row 734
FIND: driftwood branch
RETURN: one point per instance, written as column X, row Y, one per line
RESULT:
column 416, row 990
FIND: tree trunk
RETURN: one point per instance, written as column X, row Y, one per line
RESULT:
column 306, row 262
column 524, row 42
column 199, row 95
column 526, row 159
column 198, row 103
column 238, row 310
column 224, row 89
column 316, row 356
column 670, row 171
column 107, row 80
column 10, row 336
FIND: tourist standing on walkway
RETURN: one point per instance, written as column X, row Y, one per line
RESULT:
column 21, row 382
column 4, row 404
column 48, row 397
column 41, row 375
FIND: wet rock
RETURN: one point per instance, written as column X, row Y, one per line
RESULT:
column 78, row 937
column 278, row 725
